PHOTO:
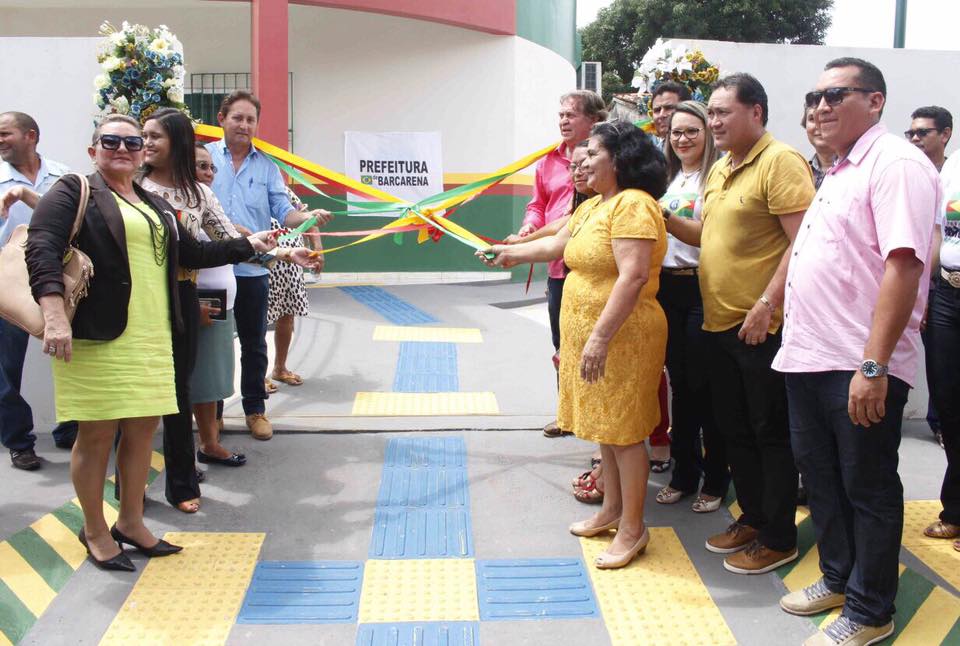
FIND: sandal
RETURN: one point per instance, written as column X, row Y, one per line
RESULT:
column 269, row 386
column 668, row 495
column 581, row 480
column 289, row 378
column 591, row 494
column 703, row 506
column 594, row 462
column 941, row 529
column 660, row 466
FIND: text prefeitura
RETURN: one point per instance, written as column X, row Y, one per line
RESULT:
column 393, row 167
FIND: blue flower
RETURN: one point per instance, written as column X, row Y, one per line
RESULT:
column 135, row 109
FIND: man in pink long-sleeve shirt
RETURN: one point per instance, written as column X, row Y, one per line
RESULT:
column 851, row 348
column 553, row 194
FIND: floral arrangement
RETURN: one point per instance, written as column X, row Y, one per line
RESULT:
column 671, row 61
column 142, row 71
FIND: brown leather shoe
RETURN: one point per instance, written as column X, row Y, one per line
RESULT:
column 757, row 558
column 941, row 529
column 25, row 459
column 259, row 426
column 552, row 430
column 736, row 537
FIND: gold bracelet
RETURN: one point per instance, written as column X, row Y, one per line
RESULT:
column 766, row 301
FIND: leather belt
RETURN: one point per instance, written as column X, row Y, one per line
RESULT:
column 680, row 271
column 952, row 277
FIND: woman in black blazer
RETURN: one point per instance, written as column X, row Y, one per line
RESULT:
column 117, row 369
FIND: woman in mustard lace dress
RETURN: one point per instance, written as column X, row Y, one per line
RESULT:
column 614, row 332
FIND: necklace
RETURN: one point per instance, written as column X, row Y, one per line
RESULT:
column 158, row 233
column 687, row 176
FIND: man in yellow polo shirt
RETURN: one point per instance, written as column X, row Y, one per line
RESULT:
column 753, row 205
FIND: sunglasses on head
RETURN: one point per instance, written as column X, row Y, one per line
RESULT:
column 833, row 96
column 112, row 142
column 207, row 166
column 919, row 133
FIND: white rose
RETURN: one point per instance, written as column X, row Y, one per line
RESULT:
column 121, row 104
column 175, row 94
column 117, row 38
column 111, row 63
column 101, row 81
column 159, row 45
column 169, row 83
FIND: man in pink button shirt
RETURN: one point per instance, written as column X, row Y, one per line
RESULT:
column 553, row 195
column 851, row 348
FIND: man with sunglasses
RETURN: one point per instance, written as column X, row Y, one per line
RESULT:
column 851, row 348
column 930, row 131
column 24, row 176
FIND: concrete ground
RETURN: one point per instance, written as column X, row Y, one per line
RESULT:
column 313, row 489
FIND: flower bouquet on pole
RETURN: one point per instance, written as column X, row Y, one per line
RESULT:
column 671, row 60
column 142, row 71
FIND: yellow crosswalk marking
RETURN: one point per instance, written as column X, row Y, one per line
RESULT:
column 109, row 513
column 63, row 541
column 156, row 461
column 23, row 580
column 805, row 572
column 932, row 621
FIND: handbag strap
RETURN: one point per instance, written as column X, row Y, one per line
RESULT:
column 81, row 206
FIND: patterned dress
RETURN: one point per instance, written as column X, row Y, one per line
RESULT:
column 288, row 294
column 622, row 408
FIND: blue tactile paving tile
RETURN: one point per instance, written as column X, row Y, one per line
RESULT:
column 303, row 592
column 437, row 487
column 459, row 633
column 426, row 367
column 421, row 533
column 394, row 309
column 423, row 452
column 534, row 589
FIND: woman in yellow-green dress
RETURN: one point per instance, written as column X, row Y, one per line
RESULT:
column 117, row 363
column 614, row 331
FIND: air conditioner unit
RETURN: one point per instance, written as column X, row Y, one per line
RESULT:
column 589, row 75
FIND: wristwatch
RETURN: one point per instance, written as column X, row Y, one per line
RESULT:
column 873, row 370
column 665, row 213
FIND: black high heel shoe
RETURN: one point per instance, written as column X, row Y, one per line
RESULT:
column 120, row 562
column 162, row 548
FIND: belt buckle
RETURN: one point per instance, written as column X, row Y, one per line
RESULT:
column 953, row 278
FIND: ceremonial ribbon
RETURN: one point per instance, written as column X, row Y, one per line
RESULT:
column 424, row 216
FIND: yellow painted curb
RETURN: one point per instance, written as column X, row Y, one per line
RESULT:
column 24, row 581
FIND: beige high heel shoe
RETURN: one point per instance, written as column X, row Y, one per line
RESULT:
column 581, row 528
column 607, row 561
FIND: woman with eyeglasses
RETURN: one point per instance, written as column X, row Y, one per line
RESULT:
column 115, row 361
column 613, row 330
column 690, row 155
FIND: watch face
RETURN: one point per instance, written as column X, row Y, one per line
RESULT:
column 870, row 368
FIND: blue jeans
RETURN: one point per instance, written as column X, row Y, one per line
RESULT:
column 250, row 312
column 16, row 418
column 943, row 377
column 854, row 491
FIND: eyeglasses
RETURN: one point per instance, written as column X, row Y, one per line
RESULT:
column 833, row 95
column 919, row 133
column 112, row 142
column 207, row 166
column 689, row 133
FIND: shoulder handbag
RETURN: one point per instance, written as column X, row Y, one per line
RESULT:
column 16, row 299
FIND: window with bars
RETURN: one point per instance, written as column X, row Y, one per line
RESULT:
column 203, row 93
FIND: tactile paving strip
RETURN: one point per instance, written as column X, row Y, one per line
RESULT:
column 438, row 334
column 657, row 599
column 426, row 368
column 191, row 597
column 423, row 504
column 420, row 634
column 534, row 589
column 424, row 404
column 936, row 553
column 388, row 306
column 303, row 592
column 419, row 590
column 421, row 533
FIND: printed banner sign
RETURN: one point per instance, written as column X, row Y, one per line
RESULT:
column 405, row 164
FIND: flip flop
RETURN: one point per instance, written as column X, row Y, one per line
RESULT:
column 289, row 378
column 659, row 466
column 269, row 386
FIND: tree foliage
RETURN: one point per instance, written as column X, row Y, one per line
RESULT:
column 626, row 29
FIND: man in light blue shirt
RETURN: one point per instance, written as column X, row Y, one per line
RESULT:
column 251, row 190
column 24, row 176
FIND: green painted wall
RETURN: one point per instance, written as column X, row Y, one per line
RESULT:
column 494, row 216
column 550, row 23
